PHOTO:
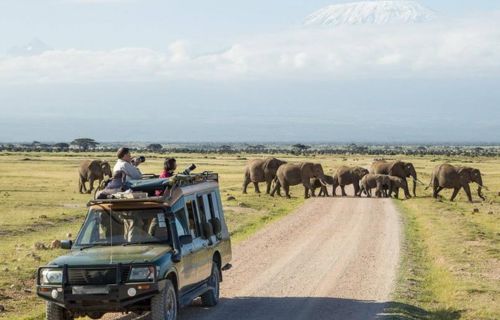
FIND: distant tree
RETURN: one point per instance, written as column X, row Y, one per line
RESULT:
column 154, row 147
column 225, row 147
column 84, row 144
column 299, row 147
column 61, row 146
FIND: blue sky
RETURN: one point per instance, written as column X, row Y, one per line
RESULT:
column 246, row 71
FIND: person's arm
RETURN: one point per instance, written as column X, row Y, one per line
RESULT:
column 132, row 171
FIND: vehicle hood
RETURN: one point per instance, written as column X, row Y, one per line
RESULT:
column 113, row 255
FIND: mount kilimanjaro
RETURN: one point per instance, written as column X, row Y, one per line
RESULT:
column 370, row 12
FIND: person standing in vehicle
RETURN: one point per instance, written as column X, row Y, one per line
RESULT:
column 169, row 167
column 125, row 166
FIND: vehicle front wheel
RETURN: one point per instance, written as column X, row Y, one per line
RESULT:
column 55, row 312
column 211, row 297
column 164, row 304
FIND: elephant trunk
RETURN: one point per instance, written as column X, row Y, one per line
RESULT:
column 479, row 188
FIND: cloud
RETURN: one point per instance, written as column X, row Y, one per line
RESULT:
column 450, row 49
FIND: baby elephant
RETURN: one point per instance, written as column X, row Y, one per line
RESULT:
column 323, row 191
column 381, row 182
column 91, row 170
column 396, row 183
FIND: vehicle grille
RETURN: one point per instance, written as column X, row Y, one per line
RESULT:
column 94, row 276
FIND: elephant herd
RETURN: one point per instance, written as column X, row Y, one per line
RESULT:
column 386, row 177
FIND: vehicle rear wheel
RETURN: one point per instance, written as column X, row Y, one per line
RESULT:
column 164, row 304
column 55, row 312
column 211, row 297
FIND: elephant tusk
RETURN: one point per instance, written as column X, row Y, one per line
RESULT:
column 485, row 188
column 417, row 180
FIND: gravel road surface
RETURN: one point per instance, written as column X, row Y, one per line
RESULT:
column 333, row 258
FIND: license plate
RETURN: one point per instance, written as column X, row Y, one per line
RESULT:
column 90, row 290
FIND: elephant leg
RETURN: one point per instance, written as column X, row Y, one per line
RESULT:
column 455, row 192
column 396, row 193
column 324, row 189
column 246, row 182
column 256, row 186
column 357, row 193
column 276, row 188
column 342, row 187
column 438, row 190
column 91, row 184
column 286, row 187
column 313, row 192
column 268, row 186
column 81, row 185
column 467, row 191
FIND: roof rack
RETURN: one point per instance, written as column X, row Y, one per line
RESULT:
column 177, row 181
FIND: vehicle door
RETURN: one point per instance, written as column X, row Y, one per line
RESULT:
column 205, row 268
column 190, row 252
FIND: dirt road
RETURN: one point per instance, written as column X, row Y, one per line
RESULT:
column 334, row 258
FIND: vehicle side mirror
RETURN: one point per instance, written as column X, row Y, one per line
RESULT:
column 207, row 229
column 186, row 239
column 66, row 244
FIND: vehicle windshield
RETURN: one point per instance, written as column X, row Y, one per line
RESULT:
column 124, row 227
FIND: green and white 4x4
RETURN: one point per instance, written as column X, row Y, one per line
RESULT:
column 152, row 254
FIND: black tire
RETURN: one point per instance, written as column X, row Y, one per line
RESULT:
column 55, row 312
column 211, row 297
column 164, row 305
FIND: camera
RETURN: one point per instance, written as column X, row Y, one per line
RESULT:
column 189, row 169
column 138, row 160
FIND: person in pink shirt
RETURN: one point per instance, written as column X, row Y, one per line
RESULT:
column 169, row 167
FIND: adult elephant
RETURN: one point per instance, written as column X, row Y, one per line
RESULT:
column 91, row 170
column 261, row 170
column 379, row 181
column 446, row 176
column 399, row 169
column 349, row 175
column 291, row 174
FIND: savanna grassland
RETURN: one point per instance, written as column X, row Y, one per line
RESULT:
column 450, row 264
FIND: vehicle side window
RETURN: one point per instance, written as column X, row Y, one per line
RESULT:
column 201, row 209
column 212, row 203
column 181, row 222
column 193, row 223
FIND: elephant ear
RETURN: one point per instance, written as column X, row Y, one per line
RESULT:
column 271, row 163
column 396, row 168
column 465, row 173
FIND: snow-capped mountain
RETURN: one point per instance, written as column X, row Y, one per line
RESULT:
column 371, row 12
column 34, row 47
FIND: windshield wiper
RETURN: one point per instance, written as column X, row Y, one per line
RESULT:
column 95, row 245
column 142, row 242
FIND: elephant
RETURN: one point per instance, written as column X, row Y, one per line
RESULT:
column 348, row 175
column 395, row 184
column 91, row 170
column 399, row 169
column 261, row 170
column 381, row 182
column 451, row 177
column 316, row 183
column 291, row 174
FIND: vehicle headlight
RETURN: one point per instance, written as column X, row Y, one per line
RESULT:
column 51, row 276
column 142, row 274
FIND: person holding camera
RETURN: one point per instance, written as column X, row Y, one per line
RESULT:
column 126, row 165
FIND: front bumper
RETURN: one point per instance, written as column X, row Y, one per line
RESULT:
column 118, row 296
column 107, row 298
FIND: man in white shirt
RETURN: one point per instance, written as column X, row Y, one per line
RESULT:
column 124, row 164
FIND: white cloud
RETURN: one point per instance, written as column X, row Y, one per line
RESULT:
column 446, row 49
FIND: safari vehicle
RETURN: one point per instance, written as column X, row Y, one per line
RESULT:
column 143, row 253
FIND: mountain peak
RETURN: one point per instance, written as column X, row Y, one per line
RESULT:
column 371, row 12
column 34, row 47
